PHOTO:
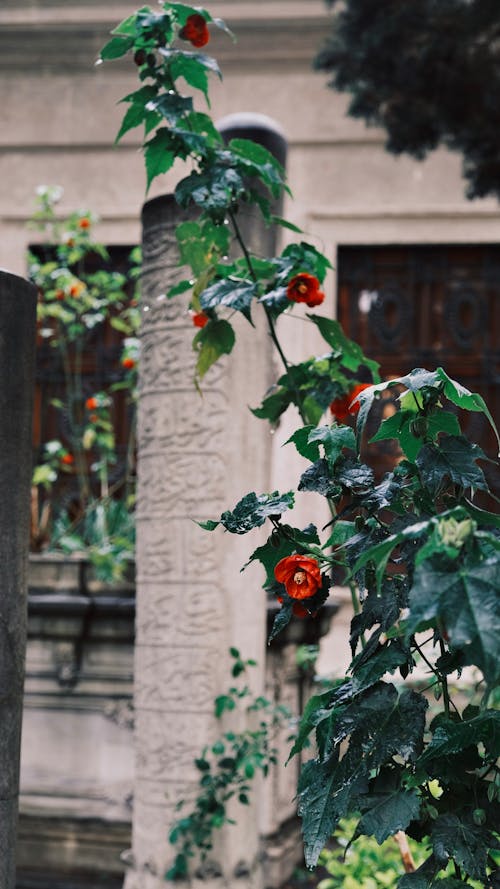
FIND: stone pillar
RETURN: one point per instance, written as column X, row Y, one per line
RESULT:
column 198, row 455
column 17, row 341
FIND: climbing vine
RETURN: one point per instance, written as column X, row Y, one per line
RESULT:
column 417, row 548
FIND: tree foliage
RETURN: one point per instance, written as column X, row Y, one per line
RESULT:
column 428, row 72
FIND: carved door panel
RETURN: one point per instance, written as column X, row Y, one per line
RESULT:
column 428, row 306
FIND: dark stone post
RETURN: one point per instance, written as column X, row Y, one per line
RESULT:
column 17, row 340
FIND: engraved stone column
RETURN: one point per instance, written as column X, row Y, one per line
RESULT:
column 199, row 453
column 17, row 341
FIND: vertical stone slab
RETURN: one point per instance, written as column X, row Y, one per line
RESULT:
column 185, row 602
column 17, row 341
column 198, row 455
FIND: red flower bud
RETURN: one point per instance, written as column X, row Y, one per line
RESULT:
column 304, row 288
column 342, row 407
column 195, row 30
column 199, row 319
column 128, row 363
column 84, row 222
column 67, row 459
column 300, row 575
column 91, row 404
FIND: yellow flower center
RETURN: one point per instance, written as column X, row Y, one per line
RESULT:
column 299, row 577
column 302, row 288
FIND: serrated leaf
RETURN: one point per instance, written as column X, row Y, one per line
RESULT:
column 452, row 737
column 213, row 189
column 352, row 354
column 284, row 223
column 116, row 48
column 465, row 842
column 209, row 525
column 334, row 439
column 388, row 813
column 171, row 106
column 327, row 791
column 257, row 160
column 211, row 342
column 273, row 406
column 233, row 294
column 470, row 401
column 317, row 709
column 385, row 660
column 158, row 155
column 398, row 427
column 134, row 117
column 454, row 458
column 318, row 479
column 252, row 511
column 466, row 601
column 281, row 620
column 423, row 877
column 305, row 447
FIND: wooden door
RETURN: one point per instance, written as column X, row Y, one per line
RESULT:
column 429, row 306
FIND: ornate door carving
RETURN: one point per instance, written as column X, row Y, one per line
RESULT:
column 429, row 306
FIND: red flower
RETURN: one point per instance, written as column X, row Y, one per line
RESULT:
column 300, row 575
column 59, row 294
column 94, row 418
column 195, row 30
column 128, row 363
column 76, row 289
column 199, row 319
column 304, row 288
column 84, row 222
column 91, row 404
column 67, row 459
column 342, row 407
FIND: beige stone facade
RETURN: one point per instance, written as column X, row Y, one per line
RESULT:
column 58, row 120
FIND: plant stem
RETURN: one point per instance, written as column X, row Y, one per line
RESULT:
column 270, row 322
column 444, row 682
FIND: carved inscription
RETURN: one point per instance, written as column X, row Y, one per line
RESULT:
column 175, row 680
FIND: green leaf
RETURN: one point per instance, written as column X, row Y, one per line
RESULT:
column 398, row 427
column 452, row 737
column 305, row 447
column 171, row 106
column 193, row 72
column 284, row 223
column 466, row 601
column 470, row 401
column 352, row 356
column 214, row 189
column 158, row 154
column 211, row 342
column 454, row 458
column 281, row 620
column 116, row 47
column 383, row 661
column 209, row 525
column 465, row 842
column 317, row 709
column 326, row 792
column 129, row 25
column 318, row 478
column 334, row 439
column 388, row 813
column 134, row 117
column 257, row 160
column 253, row 510
column 273, row 405
column 230, row 292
